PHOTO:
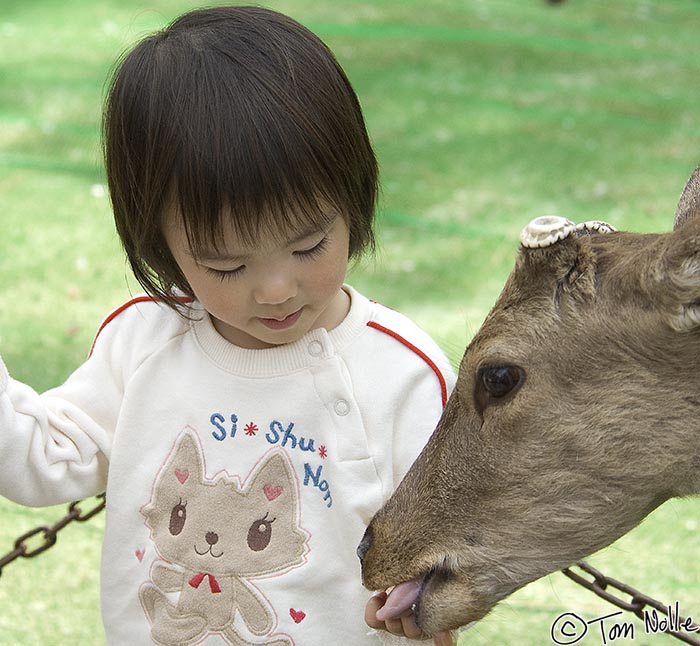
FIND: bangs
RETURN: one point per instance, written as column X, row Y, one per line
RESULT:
column 233, row 117
column 256, row 142
column 235, row 164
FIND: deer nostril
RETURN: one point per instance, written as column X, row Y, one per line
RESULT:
column 212, row 538
column 365, row 543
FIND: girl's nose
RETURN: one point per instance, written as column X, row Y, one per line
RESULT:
column 275, row 289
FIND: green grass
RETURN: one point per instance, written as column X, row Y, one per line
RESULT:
column 484, row 115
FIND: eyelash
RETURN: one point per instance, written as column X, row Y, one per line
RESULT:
column 316, row 250
column 225, row 275
column 307, row 254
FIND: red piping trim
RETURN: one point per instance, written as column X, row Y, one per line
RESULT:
column 119, row 310
column 372, row 324
column 419, row 352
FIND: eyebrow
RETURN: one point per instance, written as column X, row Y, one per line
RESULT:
column 214, row 256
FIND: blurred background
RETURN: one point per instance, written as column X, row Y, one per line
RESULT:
column 484, row 115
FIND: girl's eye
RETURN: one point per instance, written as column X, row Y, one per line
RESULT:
column 225, row 274
column 316, row 250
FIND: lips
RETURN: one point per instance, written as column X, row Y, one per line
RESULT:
column 281, row 324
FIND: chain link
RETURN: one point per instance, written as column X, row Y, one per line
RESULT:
column 637, row 603
column 599, row 584
column 39, row 539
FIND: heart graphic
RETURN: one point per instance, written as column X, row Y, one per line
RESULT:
column 182, row 475
column 297, row 615
column 271, row 493
column 140, row 553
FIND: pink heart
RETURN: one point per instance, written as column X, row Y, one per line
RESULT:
column 297, row 615
column 272, row 492
column 182, row 475
column 140, row 554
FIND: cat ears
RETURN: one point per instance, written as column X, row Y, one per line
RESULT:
column 186, row 464
column 272, row 480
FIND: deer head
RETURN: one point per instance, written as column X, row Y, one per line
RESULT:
column 575, row 414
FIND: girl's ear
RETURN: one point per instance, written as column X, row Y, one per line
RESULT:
column 689, row 204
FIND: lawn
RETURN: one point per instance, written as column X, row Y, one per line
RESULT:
column 484, row 115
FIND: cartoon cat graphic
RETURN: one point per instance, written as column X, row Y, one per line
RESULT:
column 211, row 536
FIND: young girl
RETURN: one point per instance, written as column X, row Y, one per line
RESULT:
column 249, row 415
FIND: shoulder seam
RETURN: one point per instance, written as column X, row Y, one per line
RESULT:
column 134, row 301
column 431, row 364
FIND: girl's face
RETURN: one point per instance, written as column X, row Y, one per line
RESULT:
column 272, row 293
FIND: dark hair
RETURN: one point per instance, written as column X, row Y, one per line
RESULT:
column 232, row 112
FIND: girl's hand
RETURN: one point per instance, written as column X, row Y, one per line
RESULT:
column 404, row 625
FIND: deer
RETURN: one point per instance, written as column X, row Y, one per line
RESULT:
column 573, row 417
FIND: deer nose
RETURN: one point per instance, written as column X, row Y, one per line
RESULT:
column 212, row 538
column 365, row 543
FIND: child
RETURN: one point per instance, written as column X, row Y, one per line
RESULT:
column 250, row 414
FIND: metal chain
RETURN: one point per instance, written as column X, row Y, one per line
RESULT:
column 638, row 601
column 48, row 535
column 599, row 584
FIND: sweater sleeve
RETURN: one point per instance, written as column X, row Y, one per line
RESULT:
column 55, row 446
column 420, row 405
column 412, row 380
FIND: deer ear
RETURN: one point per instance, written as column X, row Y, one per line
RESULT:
column 553, row 250
column 689, row 204
column 677, row 275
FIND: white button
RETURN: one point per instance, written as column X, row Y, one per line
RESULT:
column 315, row 348
column 341, row 407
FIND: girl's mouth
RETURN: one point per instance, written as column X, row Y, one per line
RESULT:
column 281, row 324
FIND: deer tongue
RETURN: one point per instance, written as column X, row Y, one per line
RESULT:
column 400, row 599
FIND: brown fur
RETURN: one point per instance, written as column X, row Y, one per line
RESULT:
column 604, row 331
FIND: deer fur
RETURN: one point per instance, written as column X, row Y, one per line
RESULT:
column 575, row 414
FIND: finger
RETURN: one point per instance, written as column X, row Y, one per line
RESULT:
column 410, row 628
column 394, row 626
column 374, row 604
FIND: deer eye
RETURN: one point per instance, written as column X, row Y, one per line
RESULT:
column 500, row 380
column 496, row 382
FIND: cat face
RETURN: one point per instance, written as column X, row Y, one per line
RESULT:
column 219, row 527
